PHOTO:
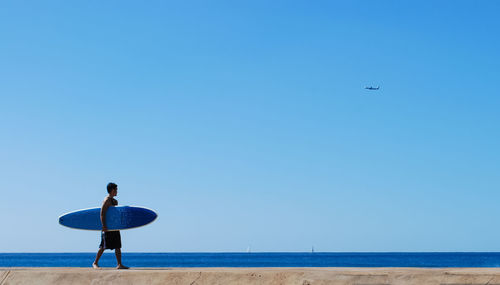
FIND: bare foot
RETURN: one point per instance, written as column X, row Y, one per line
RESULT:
column 95, row 266
column 121, row 266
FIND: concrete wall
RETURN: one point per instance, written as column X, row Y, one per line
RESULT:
column 302, row 276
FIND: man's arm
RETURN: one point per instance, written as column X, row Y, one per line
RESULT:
column 104, row 209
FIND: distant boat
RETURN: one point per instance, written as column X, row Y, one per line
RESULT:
column 248, row 249
column 312, row 249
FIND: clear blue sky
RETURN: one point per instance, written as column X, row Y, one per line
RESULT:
column 246, row 123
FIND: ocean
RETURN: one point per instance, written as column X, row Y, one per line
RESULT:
column 273, row 259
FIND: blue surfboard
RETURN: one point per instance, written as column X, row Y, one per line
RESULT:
column 117, row 218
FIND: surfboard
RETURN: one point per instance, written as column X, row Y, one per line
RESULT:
column 117, row 218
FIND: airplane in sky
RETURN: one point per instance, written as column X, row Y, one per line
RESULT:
column 372, row 88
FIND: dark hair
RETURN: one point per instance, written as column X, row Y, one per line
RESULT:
column 111, row 186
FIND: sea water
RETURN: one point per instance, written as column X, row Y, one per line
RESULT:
column 274, row 259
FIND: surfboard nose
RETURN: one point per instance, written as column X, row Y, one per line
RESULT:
column 150, row 215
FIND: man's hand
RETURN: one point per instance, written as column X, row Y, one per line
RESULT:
column 104, row 229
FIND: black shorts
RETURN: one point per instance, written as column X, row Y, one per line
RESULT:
column 111, row 240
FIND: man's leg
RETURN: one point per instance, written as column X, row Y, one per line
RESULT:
column 118, row 253
column 96, row 261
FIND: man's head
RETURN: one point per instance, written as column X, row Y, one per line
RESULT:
column 112, row 189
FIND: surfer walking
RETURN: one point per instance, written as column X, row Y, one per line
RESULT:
column 109, row 239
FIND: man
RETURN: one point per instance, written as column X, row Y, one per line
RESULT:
column 110, row 239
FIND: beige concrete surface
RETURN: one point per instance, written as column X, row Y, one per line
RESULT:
column 302, row 276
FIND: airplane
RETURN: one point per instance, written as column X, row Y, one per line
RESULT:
column 372, row 88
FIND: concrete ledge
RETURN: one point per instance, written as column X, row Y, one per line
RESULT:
column 301, row 276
